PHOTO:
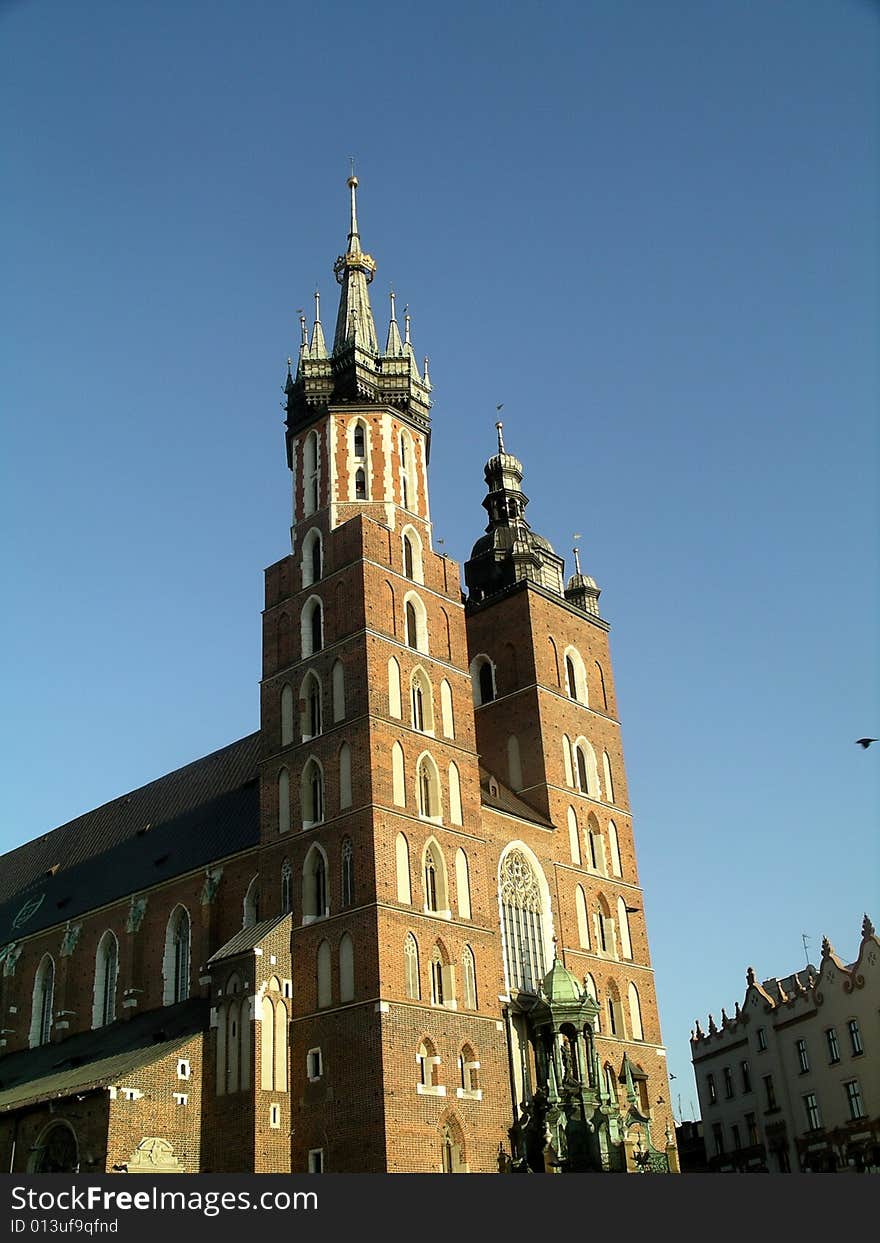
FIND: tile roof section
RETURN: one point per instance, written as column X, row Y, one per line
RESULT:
column 98, row 1058
column 505, row 800
column 205, row 811
column 247, row 939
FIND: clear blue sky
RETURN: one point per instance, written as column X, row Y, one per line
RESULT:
column 649, row 229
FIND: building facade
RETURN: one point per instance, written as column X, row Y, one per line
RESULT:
column 791, row 1083
column 399, row 928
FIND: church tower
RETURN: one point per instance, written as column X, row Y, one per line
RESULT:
column 443, row 806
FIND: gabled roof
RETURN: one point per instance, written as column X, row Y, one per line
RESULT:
column 204, row 811
column 247, row 939
column 98, row 1058
column 496, row 794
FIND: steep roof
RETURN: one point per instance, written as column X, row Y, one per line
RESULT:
column 203, row 811
column 98, row 1058
column 496, row 794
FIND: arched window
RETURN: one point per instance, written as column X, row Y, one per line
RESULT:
column 315, row 904
column 267, row 1044
column 407, row 556
column 312, row 565
column 345, row 798
column 408, row 496
column 429, row 1064
column 279, row 1043
column 42, row 1001
column 106, row 972
column 415, row 622
column 635, row 1013
column 566, row 760
column 411, row 967
column 587, row 772
column 347, row 872
column 447, row 716
column 604, row 929
column 452, row 1149
column 574, row 844
column 522, row 906
column 337, row 678
column 615, row 1012
column 437, row 978
column 310, row 473
column 394, row 706
column 591, row 990
column 614, row 846
column 583, row 925
column 286, row 888
column 310, row 697
column 470, row 1071
column 359, row 441
column 575, row 675
column 434, row 878
column 401, row 861
column 360, row 484
column 312, row 794
column 462, row 884
column 597, row 846
column 623, row 929
column 554, row 656
column 514, row 763
column 56, row 1151
column 312, row 627
column 176, row 962
column 286, row 715
column 346, row 968
column 483, row 680
column 422, row 702
column 412, row 554
column 411, row 628
column 602, row 686
column 230, row 1016
column 282, row 641
column 428, row 789
column 283, row 801
column 398, row 778
column 455, row 810
column 251, row 912
column 609, row 784
column 469, row 978
column 324, row 973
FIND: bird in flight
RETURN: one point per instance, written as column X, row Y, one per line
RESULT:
column 865, row 742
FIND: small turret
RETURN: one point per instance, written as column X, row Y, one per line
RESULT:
column 510, row 551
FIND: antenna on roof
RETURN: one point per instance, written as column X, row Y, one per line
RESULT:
column 805, row 939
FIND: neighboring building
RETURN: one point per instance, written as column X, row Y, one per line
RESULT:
column 691, row 1150
column 400, row 927
column 792, row 1081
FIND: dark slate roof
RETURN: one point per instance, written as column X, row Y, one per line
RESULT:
column 247, row 939
column 207, row 810
column 98, row 1058
column 505, row 800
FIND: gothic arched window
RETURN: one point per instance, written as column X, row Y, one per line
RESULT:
column 286, row 890
column 411, row 967
column 176, row 965
column 312, row 794
column 469, row 978
column 315, row 905
column 42, row 1001
column 106, row 971
column 523, row 910
column 347, row 872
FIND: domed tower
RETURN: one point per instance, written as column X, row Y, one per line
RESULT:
column 510, row 551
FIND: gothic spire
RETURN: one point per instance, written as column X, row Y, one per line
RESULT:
column 354, row 270
column 318, row 347
column 393, row 345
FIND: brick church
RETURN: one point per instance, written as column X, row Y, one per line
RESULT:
column 397, row 929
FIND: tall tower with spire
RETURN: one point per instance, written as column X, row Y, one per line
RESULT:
column 443, row 806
